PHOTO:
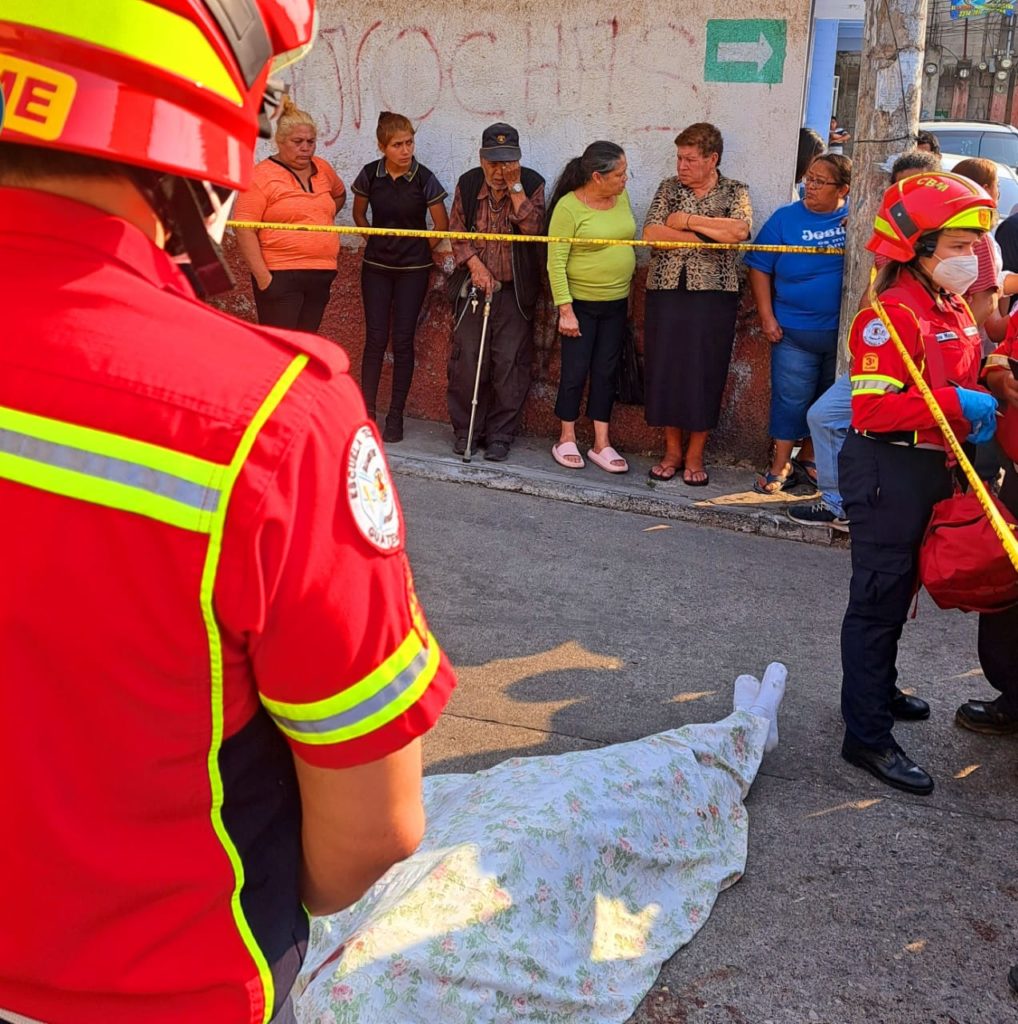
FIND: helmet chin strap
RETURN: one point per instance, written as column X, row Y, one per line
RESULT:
column 194, row 214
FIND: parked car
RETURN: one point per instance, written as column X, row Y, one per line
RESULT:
column 994, row 141
column 1007, row 180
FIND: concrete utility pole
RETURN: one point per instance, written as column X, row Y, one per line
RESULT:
column 886, row 121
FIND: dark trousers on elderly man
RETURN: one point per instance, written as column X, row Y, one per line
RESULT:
column 505, row 370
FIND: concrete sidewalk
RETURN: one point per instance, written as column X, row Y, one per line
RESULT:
column 728, row 501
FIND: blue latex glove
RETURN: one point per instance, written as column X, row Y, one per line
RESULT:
column 980, row 409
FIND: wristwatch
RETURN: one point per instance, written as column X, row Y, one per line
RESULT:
column 516, row 187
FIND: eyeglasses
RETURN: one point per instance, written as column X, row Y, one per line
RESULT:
column 817, row 182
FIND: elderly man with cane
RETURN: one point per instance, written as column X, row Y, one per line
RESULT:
column 494, row 293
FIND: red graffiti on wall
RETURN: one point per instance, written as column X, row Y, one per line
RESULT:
column 355, row 72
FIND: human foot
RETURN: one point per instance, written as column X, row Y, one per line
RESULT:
column 747, row 688
column 608, row 459
column 666, row 469
column 565, row 453
column 768, row 700
column 695, row 477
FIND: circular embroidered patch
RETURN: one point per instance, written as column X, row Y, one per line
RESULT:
column 875, row 334
column 370, row 492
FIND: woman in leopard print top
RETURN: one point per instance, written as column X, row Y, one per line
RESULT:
column 692, row 298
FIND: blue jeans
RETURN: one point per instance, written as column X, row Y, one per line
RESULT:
column 802, row 369
column 829, row 418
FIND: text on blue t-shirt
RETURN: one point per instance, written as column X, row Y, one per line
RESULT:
column 807, row 288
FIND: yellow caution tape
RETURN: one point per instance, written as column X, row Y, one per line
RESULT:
column 1000, row 525
column 341, row 229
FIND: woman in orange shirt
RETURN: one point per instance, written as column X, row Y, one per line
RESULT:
column 291, row 271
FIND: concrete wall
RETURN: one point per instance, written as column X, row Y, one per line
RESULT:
column 564, row 74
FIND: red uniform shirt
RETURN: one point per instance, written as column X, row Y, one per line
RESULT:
column 150, row 810
column 885, row 402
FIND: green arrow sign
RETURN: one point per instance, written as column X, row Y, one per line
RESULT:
column 745, row 50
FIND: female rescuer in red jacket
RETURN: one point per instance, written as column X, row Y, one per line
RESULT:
column 893, row 467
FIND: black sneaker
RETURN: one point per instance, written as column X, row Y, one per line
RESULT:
column 817, row 514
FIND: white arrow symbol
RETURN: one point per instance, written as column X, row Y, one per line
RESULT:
column 757, row 53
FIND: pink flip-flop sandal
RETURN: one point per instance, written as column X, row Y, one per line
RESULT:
column 605, row 459
column 561, row 453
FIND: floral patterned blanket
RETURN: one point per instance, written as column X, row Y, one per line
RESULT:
column 547, row 889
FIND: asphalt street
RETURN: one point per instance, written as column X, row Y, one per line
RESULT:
column 572, row 627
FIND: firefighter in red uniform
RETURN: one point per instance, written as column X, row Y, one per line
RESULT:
column 215, row 672
column 998, row 633
column 892, row 467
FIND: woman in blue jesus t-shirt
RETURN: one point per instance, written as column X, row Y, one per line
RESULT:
column 798, row 297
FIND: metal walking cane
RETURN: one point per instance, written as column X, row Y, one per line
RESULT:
column 468, row 453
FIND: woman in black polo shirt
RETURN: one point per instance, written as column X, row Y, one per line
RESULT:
column 400, row 192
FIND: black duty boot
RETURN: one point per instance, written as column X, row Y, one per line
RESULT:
column 393, row 431
column 891, row 765
column 987, row 716
column 907, row 708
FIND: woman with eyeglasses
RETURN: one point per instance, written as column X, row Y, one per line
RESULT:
column 798, row 298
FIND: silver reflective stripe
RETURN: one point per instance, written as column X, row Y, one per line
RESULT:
column 874, row 385
column 105, row 467
column 352, row 716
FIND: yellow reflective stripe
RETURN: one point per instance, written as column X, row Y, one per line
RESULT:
column 876, row 382
column 108, row 469
column 134, row 28
column 109, row 493
column 877, row 376
column 351, row 696
column 115, row 446
column 367, row 705
column 406, row 693
column 881, row 227
column 208, row 580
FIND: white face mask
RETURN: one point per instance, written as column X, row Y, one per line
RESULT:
column 956, row 273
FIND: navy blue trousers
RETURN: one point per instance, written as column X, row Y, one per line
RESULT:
column 889, row 492
column 998, row 634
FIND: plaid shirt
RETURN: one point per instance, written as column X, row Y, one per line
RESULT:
column 496, row 218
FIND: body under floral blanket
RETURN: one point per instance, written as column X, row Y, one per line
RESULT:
column 547, row 889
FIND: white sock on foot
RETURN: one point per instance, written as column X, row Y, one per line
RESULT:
column 768, row 700
column 746, row 689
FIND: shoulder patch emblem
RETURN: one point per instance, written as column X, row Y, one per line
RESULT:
column 875, row 333
column 370, row 492
column 870, row 362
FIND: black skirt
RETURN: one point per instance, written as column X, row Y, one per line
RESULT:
column 688, row 338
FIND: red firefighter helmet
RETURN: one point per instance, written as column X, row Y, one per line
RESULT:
column 175, row 86
column 924, row 203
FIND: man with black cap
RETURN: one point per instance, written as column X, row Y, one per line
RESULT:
column 499, row 197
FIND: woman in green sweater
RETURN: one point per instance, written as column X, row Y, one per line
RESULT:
column 590, row 286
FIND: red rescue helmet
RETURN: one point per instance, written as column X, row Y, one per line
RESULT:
column 170, row 85
column 926, row 203
column 178, row 91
